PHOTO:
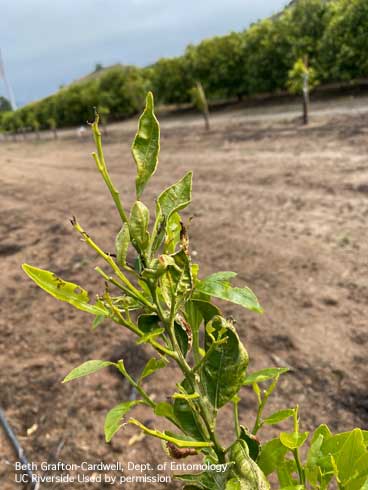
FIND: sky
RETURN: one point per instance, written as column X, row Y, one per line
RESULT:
column 46, row 44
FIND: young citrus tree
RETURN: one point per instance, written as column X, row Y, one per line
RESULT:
column 302, row 80
column 166, row 303
column 200, row 103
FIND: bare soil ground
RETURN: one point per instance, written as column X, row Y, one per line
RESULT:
column 284, row 206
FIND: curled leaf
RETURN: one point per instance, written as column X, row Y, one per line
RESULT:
column 146, row 145
column 175, row 197
column 224, row 370
column 64, row 291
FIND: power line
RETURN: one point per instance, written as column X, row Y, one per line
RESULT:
column 8, row 87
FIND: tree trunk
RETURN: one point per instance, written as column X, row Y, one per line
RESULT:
column 306, row 99
column 206, row 116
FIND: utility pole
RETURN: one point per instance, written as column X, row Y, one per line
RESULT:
column 8, row 87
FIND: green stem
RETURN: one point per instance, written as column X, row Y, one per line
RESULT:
column 189, row 374
column 162, row 349
column 113, row 265
column 299, row 466
column 236, row 416
column 101, row 165
column 296, row 451
column 117, row 284
column 200, row 412
column 196, row 349
column 261, row 405
column 156, row 229
column 135, row 385
column 208, row 353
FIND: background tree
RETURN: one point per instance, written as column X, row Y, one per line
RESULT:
column 33, row 123
column 344, row 46
column 266, row 57
column 4, row 104
column 12, row 123
column 305, row 24
column 104, row 113
column 171, row 79
column 122, row 91
column 53, row 127
column 216, row 63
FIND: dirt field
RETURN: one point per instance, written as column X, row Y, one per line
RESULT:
column 284, row 206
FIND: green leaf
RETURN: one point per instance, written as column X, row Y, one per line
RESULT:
column 360, row 473
column 245, row 470
column 264, row 375
column 293, row 440
column 284, row 474
column 148, row 323
column 138, row 266
column 176, row 283
column 224, row 370
column 195, row 312
column 314, row 452
column 294, row 487
column 126, row 303
column 218, row 285
column 321, row 430
column 87, row 368
column 271, row 456
column 184, row 279
column 121, row 245
column 97, row 321
column 138, row 227
column 146, row 146
column 64, row 291
column 279, row 416
column 184, row 414
column 346, row 459
column 233, row 484
column 151, row 367
column 173, row 229
column 113, row 420
column 331, row 448
column 158, row 234
column 175, row 197
column 203, row 309
column 365, row 437
column 315, row 455
column 207, row 480
column 182, row 338
column 164, row 409
column 365, row 485
column 251, row 441
column 150, row 326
